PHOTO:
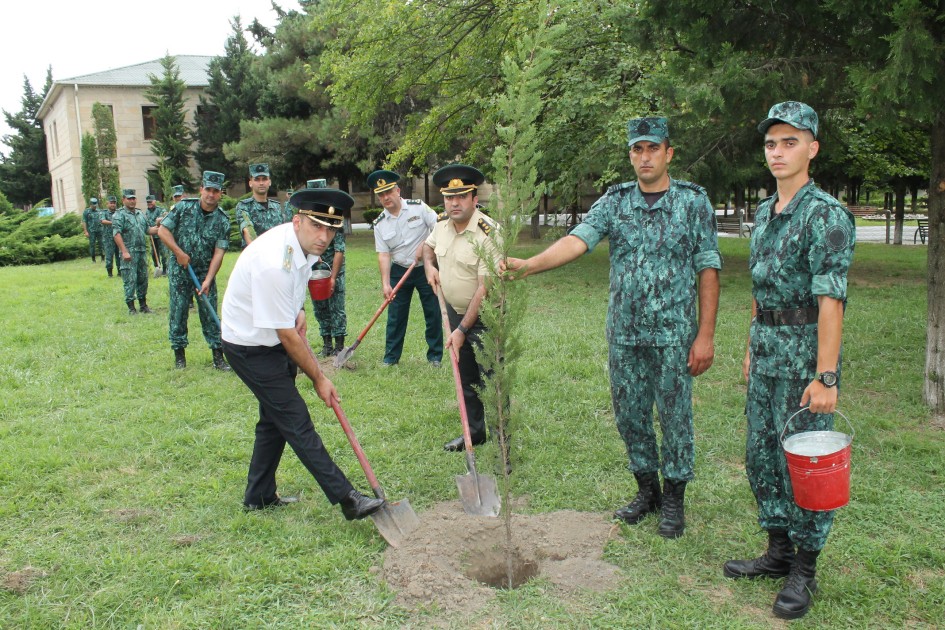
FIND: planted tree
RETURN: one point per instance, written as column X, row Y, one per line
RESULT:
column 91, row 179
column 171, row 142
column 24, row 172
column 103, row 124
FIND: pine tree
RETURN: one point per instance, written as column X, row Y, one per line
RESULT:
column 24, row 172
column 171, row 142
column 106, row 139
column 91, row 179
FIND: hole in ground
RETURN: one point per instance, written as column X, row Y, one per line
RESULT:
column 491, row 567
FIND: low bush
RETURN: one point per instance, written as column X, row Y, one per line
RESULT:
column 28, row 239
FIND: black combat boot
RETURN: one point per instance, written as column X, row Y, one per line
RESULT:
column 672, row 516
column 774, row 563
column 219, row 362
column 357, row 506
column 144, row 305
column 648, row 499
column 180, row 360
column 794, row 600
column 339, row 345
column 131, row 307
column 109, row 273
column 327, row 349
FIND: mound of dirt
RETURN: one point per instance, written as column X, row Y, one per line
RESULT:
column 453, row 561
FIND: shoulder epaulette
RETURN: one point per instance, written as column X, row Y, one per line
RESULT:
column 623, row 186
column 379, row 218
column 443, row 216
column 484, row 226
column 690, row 185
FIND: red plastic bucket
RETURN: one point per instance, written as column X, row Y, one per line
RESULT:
column 319, row 285
column 819, row 466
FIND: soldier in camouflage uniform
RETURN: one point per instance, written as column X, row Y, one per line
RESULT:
column 155, row 214
column 108, row 243
column 131, row 229
column 330, row 313
column 92, row 227
column 663, row 256
column 801, row 250
column 258, row 213
column 197, row 233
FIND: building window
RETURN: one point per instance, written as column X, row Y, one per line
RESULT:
column 154, row 184
column 147, row 119
column 55, row 135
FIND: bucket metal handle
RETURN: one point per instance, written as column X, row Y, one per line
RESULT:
column 837, row 411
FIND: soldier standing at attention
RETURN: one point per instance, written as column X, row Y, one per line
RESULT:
column 330, row 313
column 92, row 227
column 453, row 265
column 197, row 233
column 801, row 250
column 108, row 243
column 663, row 256
column 258, row 213
column 130, row 228
column 399, row 233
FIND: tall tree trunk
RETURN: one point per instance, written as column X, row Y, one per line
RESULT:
column 899, row 187
column 934, row 390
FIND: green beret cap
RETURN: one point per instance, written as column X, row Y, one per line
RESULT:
column 649, row 129
column 259, row 170
column 798, row 115
column 212, row 179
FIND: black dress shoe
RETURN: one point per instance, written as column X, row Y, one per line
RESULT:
column 459, row 445
column 356, row 506
column 279, row 502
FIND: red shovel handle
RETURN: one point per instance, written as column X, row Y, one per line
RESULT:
column 386, row 301
column 454, row 360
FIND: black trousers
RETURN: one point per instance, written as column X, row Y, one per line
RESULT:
column 471, row 375
column 283, row 417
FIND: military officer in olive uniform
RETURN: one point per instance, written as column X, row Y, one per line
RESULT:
column 131, row 229
column 155, row 214
column 664, row 257
column 330, row 313
column 399, row 233
column 92, row 227
column 801, row 251
column 108, row 243
column 454, row 266
column 197, row 232
column 258, row 213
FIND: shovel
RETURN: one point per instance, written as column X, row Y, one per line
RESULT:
column 206, row 300
column 478, row 493
column 158, row 271
column 346, row 354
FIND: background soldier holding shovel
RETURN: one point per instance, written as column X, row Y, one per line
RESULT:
column 108, row 243
column 155, row 214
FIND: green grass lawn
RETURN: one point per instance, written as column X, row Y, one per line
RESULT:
column 121, row 478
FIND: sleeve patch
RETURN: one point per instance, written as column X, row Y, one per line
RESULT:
column 838, row 238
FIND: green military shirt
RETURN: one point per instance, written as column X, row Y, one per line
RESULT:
column 197, row 232
column 797, row 255
column 92, row 221
column 252, row 214
column 133, row 227
column 154, row 215
column 655, row 255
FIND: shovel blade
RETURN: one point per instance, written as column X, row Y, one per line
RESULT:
column 342, row 357
column 479, row 494
column 395, row 521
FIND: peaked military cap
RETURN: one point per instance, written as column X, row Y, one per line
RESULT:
column 212, row 179
column 798, row 115
column 323, row 205
column 316, row 183
column 93, row 201
column 258, row 170
column 178, row 191
column 128, row 193
column 649, row 129
column 112, row 198
column 149, row 198
column 382, row 181
column 457, row 179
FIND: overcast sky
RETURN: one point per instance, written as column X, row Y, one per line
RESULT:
column 77, row 38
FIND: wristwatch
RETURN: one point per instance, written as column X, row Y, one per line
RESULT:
column 829, row 379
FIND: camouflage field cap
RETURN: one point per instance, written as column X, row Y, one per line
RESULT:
column 323, row 205
column 149, row 198
column 112, row 199
column 649, row 129
column 258, row 170
column 798, row 115
column 212, row 179
column 128, row 193
column 457, row 179
column 178, row 191
column 93, row 201
column 382, row 181
column 316, row 183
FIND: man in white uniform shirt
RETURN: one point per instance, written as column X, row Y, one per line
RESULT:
column 263, row 328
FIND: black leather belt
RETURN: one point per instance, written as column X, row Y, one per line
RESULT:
column 788, row 316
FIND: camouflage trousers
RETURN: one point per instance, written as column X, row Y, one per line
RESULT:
column 641, row 376
column 330, row 313
column 182, row 292
column 134, row 275
column 112, row 253
column 95, row 243
column 771, row 401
